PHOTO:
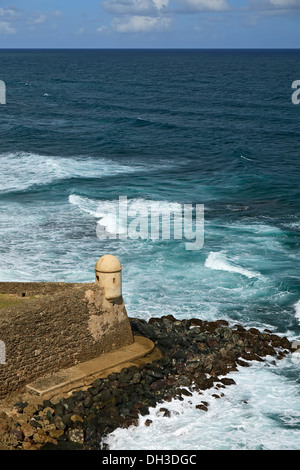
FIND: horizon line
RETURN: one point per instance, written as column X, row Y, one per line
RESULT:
column 156, row 48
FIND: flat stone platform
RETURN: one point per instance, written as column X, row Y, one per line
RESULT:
column 86, row 372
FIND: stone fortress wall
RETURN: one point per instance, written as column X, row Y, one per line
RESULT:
column 53, row 326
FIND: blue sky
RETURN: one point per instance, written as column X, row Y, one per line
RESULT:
column 150, row 24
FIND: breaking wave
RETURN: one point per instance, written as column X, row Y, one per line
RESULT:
column 23, row 170
column 218, row 261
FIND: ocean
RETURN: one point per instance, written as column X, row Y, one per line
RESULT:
column 83, row 128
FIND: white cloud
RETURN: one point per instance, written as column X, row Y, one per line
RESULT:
column 204, row 5
column 161, row 4
column 274, row 5
column 102, row 29
column 285, row 3
column 6, row 28
column 11, row 12
column 135, row 7
column 151, row 7
column 38, row 18
column 142, row 16
column 58, row 13
column 13, row 18
column 138, row 16
column 258, row 10
column 140, row 24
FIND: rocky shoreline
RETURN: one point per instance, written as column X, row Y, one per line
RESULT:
column 195, row 355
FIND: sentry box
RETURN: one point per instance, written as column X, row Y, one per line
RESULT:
column 108, row 274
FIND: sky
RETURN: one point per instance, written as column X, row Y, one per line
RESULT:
column 150, row 24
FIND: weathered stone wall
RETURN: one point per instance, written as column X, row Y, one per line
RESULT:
column 64, row 324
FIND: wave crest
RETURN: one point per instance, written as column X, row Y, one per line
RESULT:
column 23, row 170
column 218, row 261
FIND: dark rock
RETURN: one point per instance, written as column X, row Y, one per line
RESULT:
column 136, row 378
column 47, row 404
column 19, row 406
column 255, row 331
column 201, row 407
column 144, row 329
column 227, row 381
column 79, row 395
column 165, row 343
column 58, row 409
column 91, row 434
column 17, row 434
column 239, row 327
column 186, row 392
column 220, row 386
column 242, row 363
column 66, row 419
column 222, row 322
column 169, row 318
column 88, row 401
column 34, row 423
column 196, row 322
column 59, row 424
column 144, row 410
column 98, row 383
column 285, row 343
column 105, row 395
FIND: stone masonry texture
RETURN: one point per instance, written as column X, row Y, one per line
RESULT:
column 57, row 326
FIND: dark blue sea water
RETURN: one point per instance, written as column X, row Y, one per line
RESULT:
column 83, row 128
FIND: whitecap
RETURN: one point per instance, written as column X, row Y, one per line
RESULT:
column 85, row 204
column 237, row 208
column 22, row 170
column 246, row 158
column 293, row 225
column 218, row 261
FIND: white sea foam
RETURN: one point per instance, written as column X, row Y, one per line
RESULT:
column 260, row 412
column 95, row 207
column 88, row 205
column 293, row 225
column 237, row 207
column 246, row 158
column 255, row 228
column 218, row 261
column 22, row 170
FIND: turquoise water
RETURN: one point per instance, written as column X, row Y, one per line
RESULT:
column 218, row 128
